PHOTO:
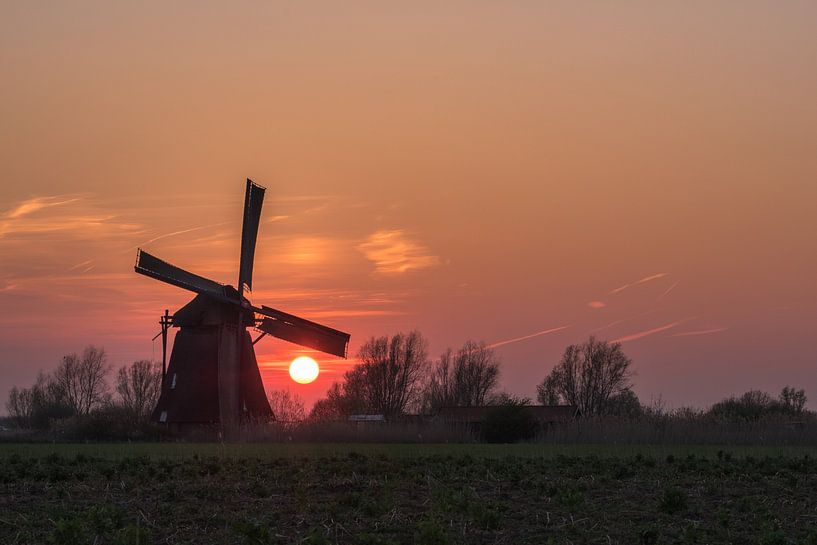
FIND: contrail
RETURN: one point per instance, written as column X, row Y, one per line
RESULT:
column 647, row 333
column 672, row 287
column 174, row 233
column 700, row 332
column 637, row 282
column 517, row 339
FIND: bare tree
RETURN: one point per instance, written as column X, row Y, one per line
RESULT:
column 465, row 378
column 139, row 386
column 387, row 380
column 82, row 380
column 390, row 373
column 20, row 406
column 287, row 406
column 588, row 376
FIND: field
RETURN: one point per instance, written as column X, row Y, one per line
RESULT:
column 425, row 494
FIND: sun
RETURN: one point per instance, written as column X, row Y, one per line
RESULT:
column 303, row 370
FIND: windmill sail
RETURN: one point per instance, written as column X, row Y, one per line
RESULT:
column 253, row 199
column 303, row 332
column 154, row 267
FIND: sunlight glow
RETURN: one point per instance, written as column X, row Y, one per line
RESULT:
column 303, row 370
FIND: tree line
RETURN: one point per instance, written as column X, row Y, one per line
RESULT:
column 80, row 386
column 394, row 376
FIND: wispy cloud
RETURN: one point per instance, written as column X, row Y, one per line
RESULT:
column 393, row 252
column 36, row 203
column 700, row 332
column 525, row 337
column 82, row 217
column 647, row 333
column 637, row 282
column 596, row 304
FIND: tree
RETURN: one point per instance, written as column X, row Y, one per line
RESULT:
column 757, row 405
column 547, row 393
column 286, row 406
column 463, row 379
column 82, row 380
column 20, row 406
column 341, row 400
column 793, row 401
column 386, row 381
column 39, row 404
column 139, row 386
column 625, row 404
column 588, row 376
column 390, row 372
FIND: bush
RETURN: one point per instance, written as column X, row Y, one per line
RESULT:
column 110, row 424
column 509, row 422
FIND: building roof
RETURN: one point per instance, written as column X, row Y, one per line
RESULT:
column 543, row 413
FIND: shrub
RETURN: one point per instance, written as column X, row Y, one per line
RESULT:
column 509, row 422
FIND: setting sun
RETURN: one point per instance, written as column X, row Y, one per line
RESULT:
column 303, row 370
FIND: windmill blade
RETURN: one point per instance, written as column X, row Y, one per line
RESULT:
column 303, row 332
column 253, row 199
column 154, row 267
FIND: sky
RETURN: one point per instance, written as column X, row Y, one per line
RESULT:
column 525, row 174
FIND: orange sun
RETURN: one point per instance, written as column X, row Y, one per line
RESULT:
column 303, row 370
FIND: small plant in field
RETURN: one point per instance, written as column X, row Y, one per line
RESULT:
column 104, row 518
column 68, row 532
column 254, row 534
column 430, row 532
column 570, row 497
column 316, row 537
column 489, row 518
column 648, row 536
column 773, row 537
column 132, row 535
column 369, row 539
column 259, row 489
column 673, row 500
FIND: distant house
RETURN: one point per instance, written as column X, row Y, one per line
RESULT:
column 473, row 417
column 366, row 418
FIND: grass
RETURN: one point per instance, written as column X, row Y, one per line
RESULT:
column 408, row 450
column 389, row 494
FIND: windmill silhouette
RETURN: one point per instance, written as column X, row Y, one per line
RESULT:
column 213, row 375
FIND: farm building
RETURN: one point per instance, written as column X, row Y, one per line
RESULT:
column 473, row 417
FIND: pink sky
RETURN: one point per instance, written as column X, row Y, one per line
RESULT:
column 518, row 173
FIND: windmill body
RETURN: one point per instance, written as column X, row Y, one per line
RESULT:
column 213, row 376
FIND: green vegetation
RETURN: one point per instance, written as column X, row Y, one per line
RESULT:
column 388, row 494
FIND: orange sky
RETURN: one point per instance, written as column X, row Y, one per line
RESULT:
column 645, row 173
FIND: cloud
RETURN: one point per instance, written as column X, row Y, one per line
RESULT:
column 35, row 203
column 647, row 333
column 393, row 252
column 596, row 304
column 35, row 216
column 532, row 335
column 700, row 332
column 637, row 282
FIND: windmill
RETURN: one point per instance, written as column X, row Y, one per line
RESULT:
column 213, row 376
